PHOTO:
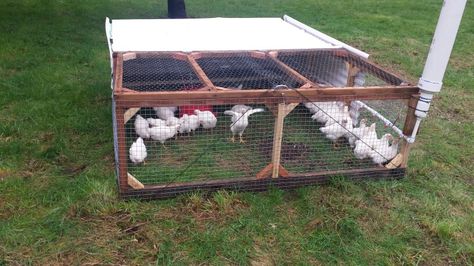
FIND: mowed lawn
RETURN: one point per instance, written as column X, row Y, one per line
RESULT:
column 58, row 197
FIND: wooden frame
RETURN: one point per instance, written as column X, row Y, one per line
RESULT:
column 280, row 101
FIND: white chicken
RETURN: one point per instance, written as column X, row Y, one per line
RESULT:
column 357, row 132
column 240, row 108
column 338, row 129
column 142, row 127
column 165, row 112
column 188, row 123
column 162, row 133
column 363, row 146
column 339, row 117
column 172, row 121
column 240, row 121
column 156, row 122
column 137, row 151
column 330, row 113
column 384, row 151
column 206, row 119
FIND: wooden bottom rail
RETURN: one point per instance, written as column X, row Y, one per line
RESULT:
column 254, row 184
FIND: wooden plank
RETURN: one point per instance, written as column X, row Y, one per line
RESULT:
column 282, row 171
column 122, row 150
column 129, row 56
column 290, row 107
column 262, row 96
column 277, row 139
column 129, row 114
column 306, row 86
column 253, row 184
column 290, row 71
column 258, row 54
column 410, row 121
column 118, row 72
column 133, row 182
column 265, row 172
column 200, row 73
column 395, row 162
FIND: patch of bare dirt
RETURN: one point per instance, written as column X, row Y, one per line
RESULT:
column 290, row 151
column 32, row 167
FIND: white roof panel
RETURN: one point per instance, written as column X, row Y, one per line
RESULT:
column 211, row 34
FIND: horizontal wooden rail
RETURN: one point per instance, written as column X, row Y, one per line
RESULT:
column 255, row 184
column 130, row 98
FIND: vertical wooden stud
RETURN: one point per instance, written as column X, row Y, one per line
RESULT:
column 277, row 139
column 351, row 74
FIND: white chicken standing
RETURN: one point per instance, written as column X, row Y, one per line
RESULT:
column 384, row 151
column 330, row 113
column 162, row 133
column 188, row 123
column 156, row 122
column 336, row 130
column 357, row 132
column 363, row 146
column 339, row 116
column 206, row 119
column 165, row 112
column 240, row 121
column 142, row 127
column 137, row 151
column 173, row 121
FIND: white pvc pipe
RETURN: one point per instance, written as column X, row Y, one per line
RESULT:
column 323, row 36
column 441, row 46
column 386, row 122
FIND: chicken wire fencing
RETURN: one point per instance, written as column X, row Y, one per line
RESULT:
column 146, row 72
column 218, row 142
column 199, row 143
column 186, row 121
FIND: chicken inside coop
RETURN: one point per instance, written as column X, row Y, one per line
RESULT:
column 317, row 136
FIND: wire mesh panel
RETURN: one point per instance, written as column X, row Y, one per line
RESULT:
column 334, row 136
column 245, row 71
column 220, row 142
column 159, row 72
column 334, row 68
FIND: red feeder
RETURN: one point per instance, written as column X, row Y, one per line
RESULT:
column 189, row 109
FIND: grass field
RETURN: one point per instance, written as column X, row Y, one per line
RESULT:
column 58, row 198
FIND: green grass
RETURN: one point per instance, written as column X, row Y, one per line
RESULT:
column 58, row 198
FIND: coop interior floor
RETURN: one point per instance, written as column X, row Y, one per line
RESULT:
column 210, row 154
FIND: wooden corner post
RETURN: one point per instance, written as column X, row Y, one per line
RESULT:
column 408, row 129
column 122, row 149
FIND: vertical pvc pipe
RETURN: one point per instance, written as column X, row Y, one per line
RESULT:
column 441, row 46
